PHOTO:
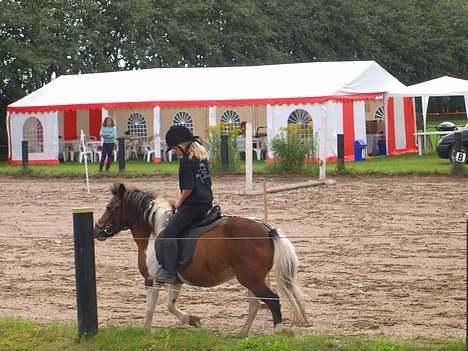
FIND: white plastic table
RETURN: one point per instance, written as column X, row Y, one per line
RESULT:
column 420, row 136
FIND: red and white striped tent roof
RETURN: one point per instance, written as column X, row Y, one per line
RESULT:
column 275, row 84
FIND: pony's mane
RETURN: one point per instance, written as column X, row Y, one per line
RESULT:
column 138, row 200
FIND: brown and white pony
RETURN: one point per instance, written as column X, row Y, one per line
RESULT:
column 239, row 247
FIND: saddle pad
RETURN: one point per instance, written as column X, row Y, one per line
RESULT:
column 186, row 246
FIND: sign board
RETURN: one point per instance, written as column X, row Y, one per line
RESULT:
column 460, row 157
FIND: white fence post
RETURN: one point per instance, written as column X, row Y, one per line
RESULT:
column 323, row 148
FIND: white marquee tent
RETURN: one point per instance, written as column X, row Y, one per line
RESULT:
column 333, row 91
column 443, row 86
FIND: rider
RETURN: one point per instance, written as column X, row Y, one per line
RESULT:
column 195, row 196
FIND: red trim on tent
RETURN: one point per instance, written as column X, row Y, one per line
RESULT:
column 402, row 151
column 194, row 103
column 35, row 162
column 69, row 125
column 95, row 123
column 348, row 127
column 10, row 150
column 391, row 126
column 409, row 123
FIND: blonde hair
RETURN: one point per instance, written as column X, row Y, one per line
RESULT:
column 194, row 149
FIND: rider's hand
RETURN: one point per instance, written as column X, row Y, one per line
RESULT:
column 178, row 203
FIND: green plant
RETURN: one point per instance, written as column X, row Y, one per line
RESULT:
column 294, row 150
column 214, row 148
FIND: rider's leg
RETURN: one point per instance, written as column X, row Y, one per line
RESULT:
column 181, row 220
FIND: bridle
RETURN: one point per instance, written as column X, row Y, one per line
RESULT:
column 109, row 230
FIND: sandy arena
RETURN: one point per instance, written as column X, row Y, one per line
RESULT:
column 379, row 256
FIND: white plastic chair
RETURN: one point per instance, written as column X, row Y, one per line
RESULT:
column 166, row 155
column 116, row 146
column 97, row 152
column 131, row 151
column 240, row 143
column 88, row 152
column 257, row 147
column 72, row 149
column 149, row 152
column 63, row 150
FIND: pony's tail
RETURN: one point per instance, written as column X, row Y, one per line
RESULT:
column 285, row 265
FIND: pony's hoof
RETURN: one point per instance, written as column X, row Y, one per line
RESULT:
column 195, row 321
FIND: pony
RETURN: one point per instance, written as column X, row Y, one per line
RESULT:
column 239, row 247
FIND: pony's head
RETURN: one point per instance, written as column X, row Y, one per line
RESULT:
column 113, row 219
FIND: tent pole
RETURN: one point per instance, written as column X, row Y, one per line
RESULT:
column 425, row 103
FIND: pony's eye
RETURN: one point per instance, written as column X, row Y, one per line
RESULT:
column 109, row 208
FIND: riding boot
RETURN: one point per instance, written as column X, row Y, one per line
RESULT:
column 101, row 164
column 168, row 272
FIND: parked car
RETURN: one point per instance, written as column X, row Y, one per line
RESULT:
column 445, row 147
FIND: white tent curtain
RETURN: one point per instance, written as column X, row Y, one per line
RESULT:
column 271, row 131
column 425, row 103
column 157, row 132
column 359, row 108
column 49, row 122
column 466, row 105
column 212, row 116
column 399, row 123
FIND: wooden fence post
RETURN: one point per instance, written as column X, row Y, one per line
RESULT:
column 85, row 273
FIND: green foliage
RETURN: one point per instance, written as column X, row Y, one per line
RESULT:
column 214, row 148
column 292, row 148
column 29, row 336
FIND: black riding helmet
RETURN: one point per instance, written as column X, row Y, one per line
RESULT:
column 177, row 135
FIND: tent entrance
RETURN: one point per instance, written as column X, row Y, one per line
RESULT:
column 375, row 128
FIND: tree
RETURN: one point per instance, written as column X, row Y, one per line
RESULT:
column 414, row 40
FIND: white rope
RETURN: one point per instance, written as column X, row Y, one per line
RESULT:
column 414, row 235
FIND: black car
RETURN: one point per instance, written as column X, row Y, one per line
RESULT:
column 445, row 147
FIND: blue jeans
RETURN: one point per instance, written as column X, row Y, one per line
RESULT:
column 107, row 151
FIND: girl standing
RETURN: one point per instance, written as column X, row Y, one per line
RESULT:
column 108, row 135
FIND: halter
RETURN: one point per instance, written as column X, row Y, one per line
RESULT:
column 109, row 230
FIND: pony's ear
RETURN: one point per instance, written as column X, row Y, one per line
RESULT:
column 118, row 190
column 122, row 190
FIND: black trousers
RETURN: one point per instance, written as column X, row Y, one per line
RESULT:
column 107, row 152
column 180, row 221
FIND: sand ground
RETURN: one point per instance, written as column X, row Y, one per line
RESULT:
column 380, row 256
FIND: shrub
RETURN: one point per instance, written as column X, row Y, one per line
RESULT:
column 214, row 147
column 292, row 148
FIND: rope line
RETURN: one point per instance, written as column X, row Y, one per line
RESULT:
column 331, row 236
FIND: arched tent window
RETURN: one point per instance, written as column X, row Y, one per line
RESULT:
column 302, row 120
column 183, row 118
column 379, row 113
column 230, row 120
column 33, row 132
column 137, row 126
